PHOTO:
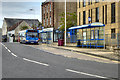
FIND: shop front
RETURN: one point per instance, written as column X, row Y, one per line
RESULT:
column 90, row 35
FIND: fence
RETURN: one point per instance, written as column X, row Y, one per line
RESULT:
column 110, row 40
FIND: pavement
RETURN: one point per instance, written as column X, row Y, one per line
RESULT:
column 101, row 53
column 29, row 61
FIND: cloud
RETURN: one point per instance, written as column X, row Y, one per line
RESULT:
column 20, row 10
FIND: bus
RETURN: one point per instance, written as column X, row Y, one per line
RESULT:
column 29, row 36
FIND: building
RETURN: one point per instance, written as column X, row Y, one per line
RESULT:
column 11, row 26
column 51, row 15
column 100, row 12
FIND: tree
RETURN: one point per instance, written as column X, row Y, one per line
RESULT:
column 24, row 27
column 71, row 20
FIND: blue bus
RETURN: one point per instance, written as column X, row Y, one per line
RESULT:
column 29, row 36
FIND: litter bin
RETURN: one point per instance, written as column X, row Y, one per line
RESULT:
column 78, row 43
column 60, row 42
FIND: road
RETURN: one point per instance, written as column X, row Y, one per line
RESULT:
column 21, row 61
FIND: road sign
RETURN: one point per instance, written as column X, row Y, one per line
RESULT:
column 89, row 19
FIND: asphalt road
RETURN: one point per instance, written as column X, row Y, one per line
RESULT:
column 21, row 61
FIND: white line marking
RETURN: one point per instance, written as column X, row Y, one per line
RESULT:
column 14, row 54
column 84, row 73
column 35, row 62
column 8, row 50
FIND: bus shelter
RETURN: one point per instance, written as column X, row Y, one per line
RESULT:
column 46, row 35
column 89, row 35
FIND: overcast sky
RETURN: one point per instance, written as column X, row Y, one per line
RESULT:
column 20, row 10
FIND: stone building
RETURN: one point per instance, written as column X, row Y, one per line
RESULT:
column 98, row 13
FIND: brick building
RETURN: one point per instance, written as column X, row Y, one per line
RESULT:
column 51, row 14
column 48, row 14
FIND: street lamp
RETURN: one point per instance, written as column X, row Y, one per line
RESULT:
column 34, row 16
column 65, row 23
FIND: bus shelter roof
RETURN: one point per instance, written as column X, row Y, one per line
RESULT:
column 92, row 25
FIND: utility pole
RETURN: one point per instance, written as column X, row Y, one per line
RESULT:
column 34, row 16
column 65, row 23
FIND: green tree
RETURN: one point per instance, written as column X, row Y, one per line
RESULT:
column 71, row 20
column 24, row 27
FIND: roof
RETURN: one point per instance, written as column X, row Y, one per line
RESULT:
column 92, row 25
column 14, row 26
column 12, row 21
column 47, row 1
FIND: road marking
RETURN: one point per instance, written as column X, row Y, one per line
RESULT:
column 35, row 62
column 14, row 54
column 85, row 73
column 8, row 50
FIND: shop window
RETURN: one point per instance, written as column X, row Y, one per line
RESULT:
column 113, row 35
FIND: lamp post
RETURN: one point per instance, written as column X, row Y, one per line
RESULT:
column 34, row 16
column 65, row 23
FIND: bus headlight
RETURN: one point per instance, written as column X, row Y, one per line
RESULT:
column 26, row 40
column 36, row 40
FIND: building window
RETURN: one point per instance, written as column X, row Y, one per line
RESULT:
column 97, row 14
column 79, row 18
column 47, row 8
column 84, row 17
column 96, row 1
column 88, row 2
column 113, row 35
column 79, row 3
column 50, row 20
column 44, row 10
column 84, row 3
column 113, row 13
column 91, row 15
column 91, row 1
column 50, row 7
column 47, row 21
column 44, row 22
column 105, row 14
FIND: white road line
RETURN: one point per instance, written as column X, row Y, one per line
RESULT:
column 14, row 54
column 35, row 62
column 85, row 73
column 8, row 50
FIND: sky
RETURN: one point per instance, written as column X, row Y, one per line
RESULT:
column 20, row 10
